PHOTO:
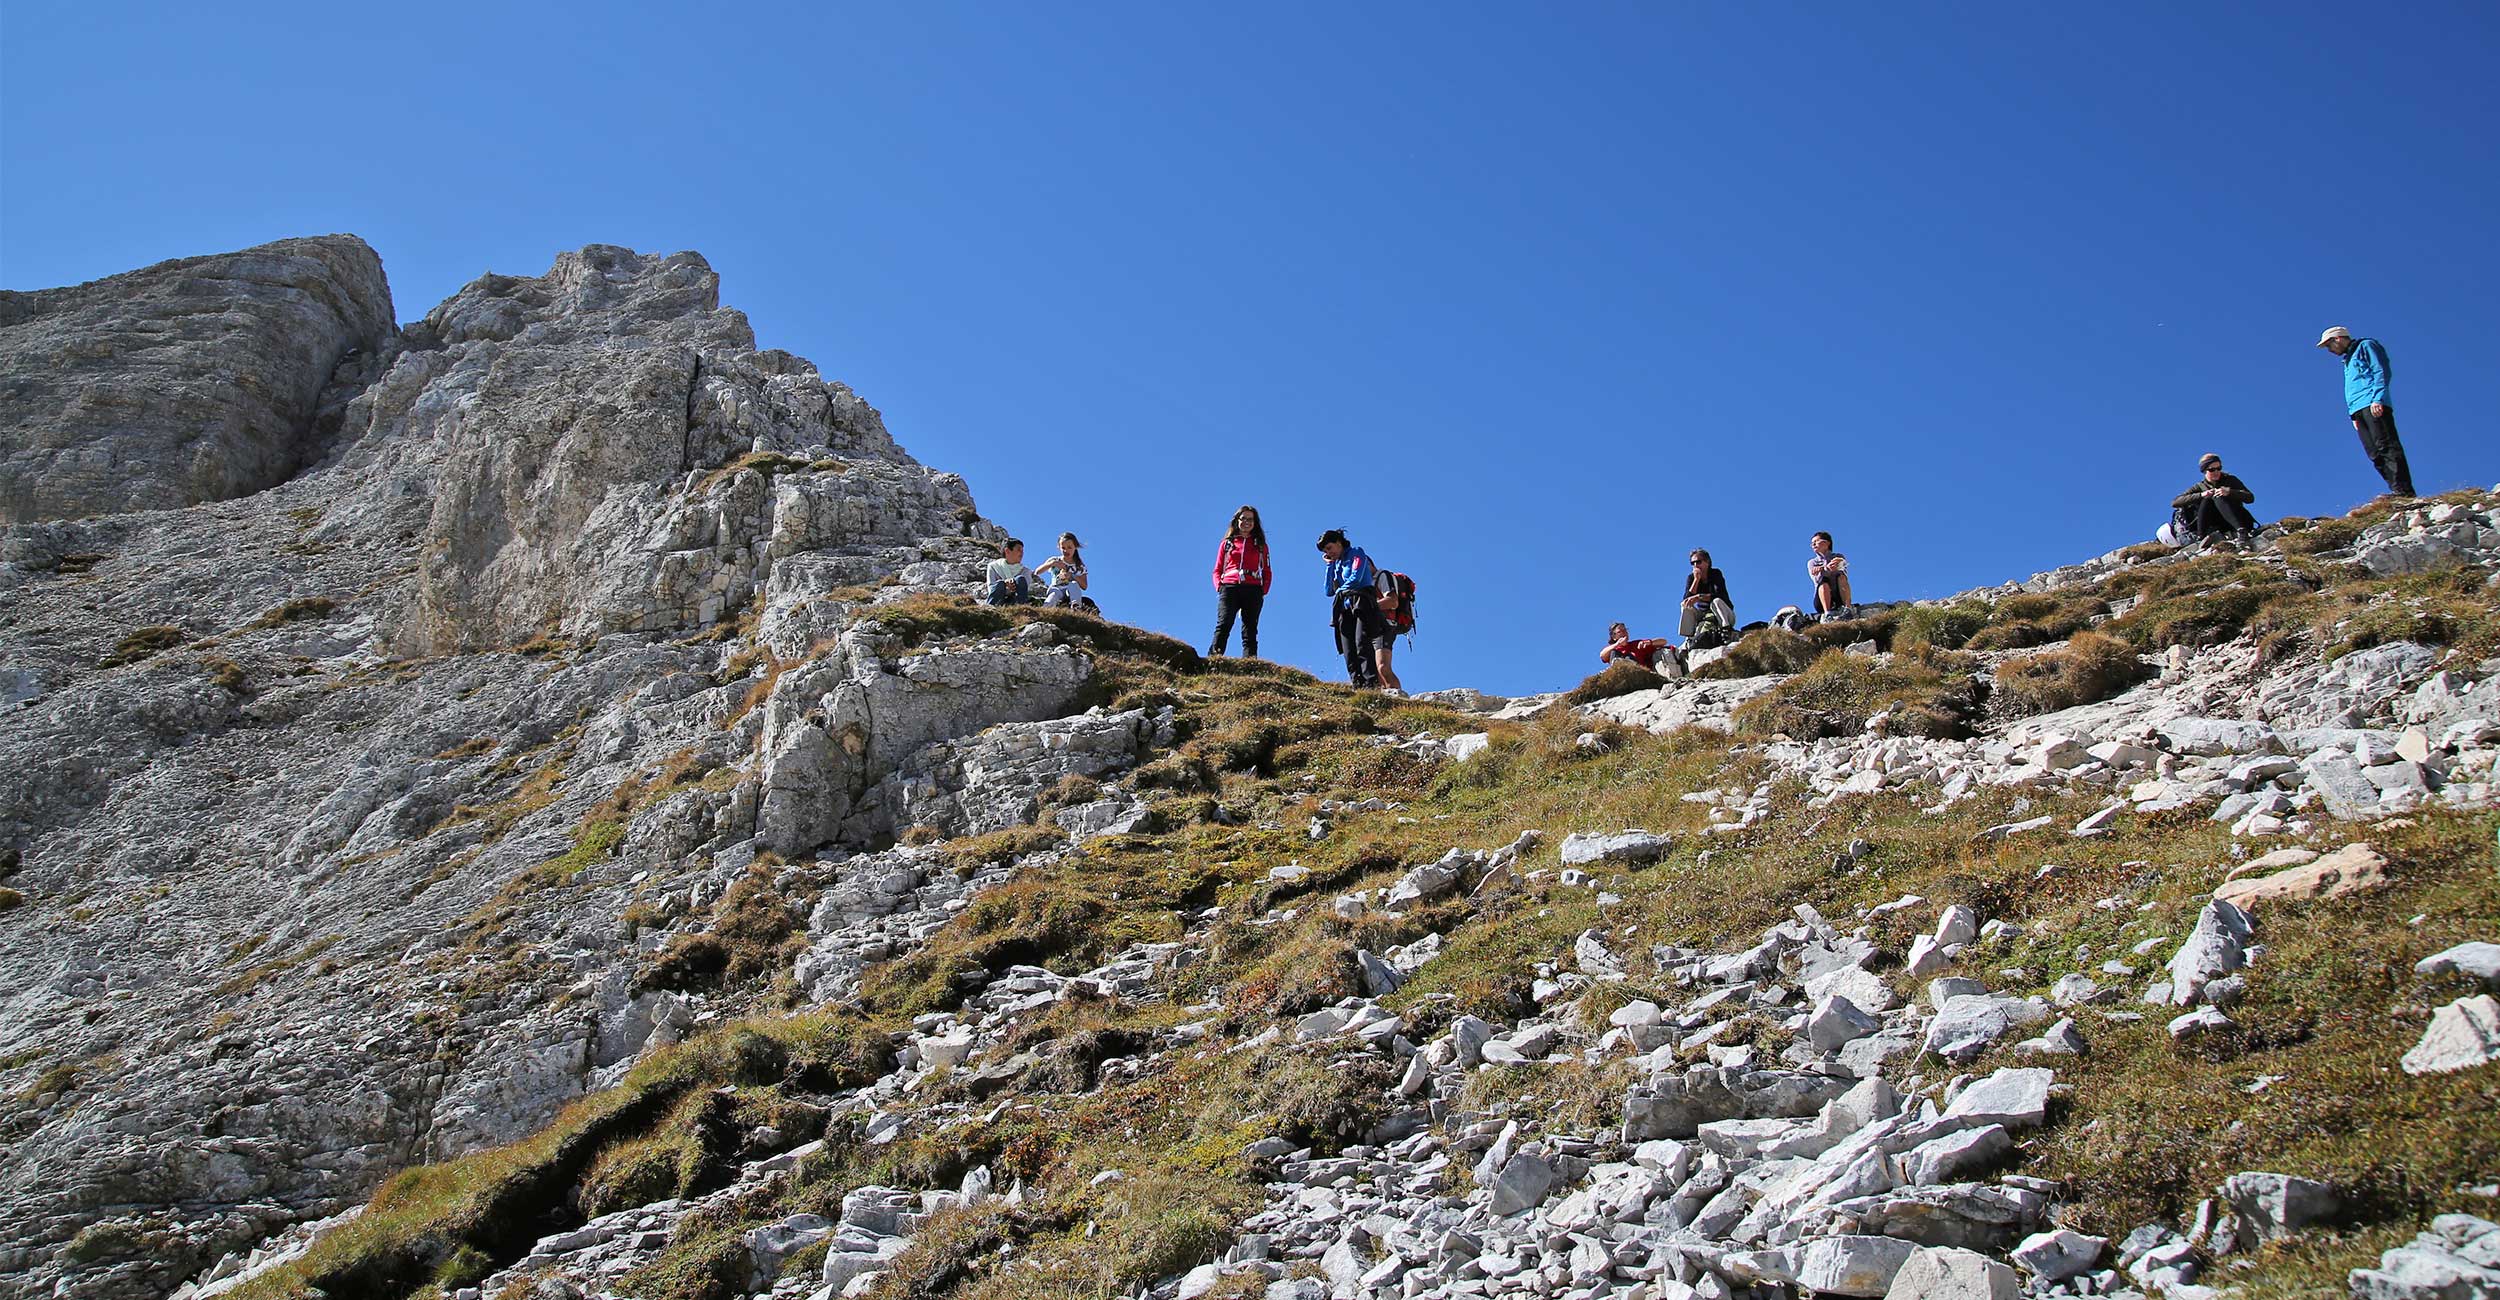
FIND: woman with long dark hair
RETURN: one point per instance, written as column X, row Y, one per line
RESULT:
column 1242, row 579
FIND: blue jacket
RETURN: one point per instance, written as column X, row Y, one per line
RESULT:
column 1350, row 571
column 2365, row 374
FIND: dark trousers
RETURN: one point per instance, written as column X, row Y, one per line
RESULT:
column 2221, row 515
column 1243, row 598
column 1360, row 630
column 1020, row 592
column 2378, row 439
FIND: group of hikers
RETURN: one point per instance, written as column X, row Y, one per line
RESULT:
column 1707, row 617
column 1370, row 607
column 2214, row 509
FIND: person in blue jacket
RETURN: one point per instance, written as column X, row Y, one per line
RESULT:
column 2365, row 396
column 1354, row 612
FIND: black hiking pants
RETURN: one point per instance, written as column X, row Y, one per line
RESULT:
column 2378, row 439
column 2222, row 515
column 1360, row 632
column 1244, row 599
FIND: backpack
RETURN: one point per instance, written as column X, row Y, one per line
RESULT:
column 1401, row 619
column 1791, row 618
column 1708, row 634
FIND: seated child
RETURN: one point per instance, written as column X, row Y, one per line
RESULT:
column 1065, row 575
column 1010, row 583
column 1830, row 572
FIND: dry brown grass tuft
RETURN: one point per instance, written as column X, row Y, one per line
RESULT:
column 1922, row 692
column 2090, row 668
column 1762, row 652
column 146, row 643
column 301, row 608
column 1622, row 677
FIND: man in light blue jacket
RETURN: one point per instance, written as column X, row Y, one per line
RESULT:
column 2365, row 396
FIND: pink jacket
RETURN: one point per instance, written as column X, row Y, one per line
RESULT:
column 1241, row 559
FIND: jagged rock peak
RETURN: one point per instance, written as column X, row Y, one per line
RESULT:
column 193, row 380
column 599, row 294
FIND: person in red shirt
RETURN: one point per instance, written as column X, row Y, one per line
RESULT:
column 1621, row 645
column 1242, row 578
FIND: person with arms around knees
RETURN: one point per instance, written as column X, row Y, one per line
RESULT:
column 2365, row 397
column 1354, row 607
column 1010, row 582
column 2216, row 505
column 1065, row 572
column 1242, row 580
column 1705, row 593
column 1829, row 570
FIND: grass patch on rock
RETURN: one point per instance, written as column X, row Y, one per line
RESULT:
column 2086, row 670
column 144, row 644
column 1622, row 677
column 1919, row 692
column 496, row 1202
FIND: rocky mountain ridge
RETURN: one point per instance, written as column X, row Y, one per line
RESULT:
column 586, row 787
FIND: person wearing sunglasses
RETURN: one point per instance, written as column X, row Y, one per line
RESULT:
column 2216, row 506
column 1705, row 595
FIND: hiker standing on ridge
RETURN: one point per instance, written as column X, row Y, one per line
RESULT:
column 1354, row 609
column 2365, row 396
column 1705, row 594
column 2216, row 505
column 1242, row 580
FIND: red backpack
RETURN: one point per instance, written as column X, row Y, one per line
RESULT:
column 1401, row 619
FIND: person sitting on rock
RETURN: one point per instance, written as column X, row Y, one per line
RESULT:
column 1065, row 574
column 1010, row 582
column 1705, row 594
column 2216, row 506
column 1829, row 570
column 1620, row 644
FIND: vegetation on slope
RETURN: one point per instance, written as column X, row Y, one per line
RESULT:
column 2150, row 1130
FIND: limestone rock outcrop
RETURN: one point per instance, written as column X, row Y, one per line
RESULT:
column 198, row 379
column 347, row 729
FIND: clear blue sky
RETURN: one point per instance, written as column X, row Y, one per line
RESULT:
column 1529, row 298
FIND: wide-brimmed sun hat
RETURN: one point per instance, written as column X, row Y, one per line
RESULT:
column 2333, row 332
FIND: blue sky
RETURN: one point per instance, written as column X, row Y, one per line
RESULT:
column 1530, row 299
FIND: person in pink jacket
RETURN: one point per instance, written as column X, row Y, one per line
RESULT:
column 1242, row 577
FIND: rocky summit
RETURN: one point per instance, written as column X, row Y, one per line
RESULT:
column 525, row 803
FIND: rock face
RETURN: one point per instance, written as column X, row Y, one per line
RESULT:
column 610, row 453
column 257, row 844
column 199, row 379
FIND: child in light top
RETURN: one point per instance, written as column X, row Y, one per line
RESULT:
column 1830, row 571
column 1009, row 581
column 1065, row 574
